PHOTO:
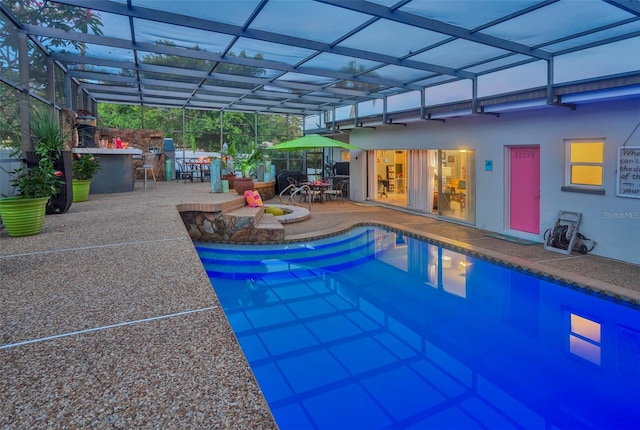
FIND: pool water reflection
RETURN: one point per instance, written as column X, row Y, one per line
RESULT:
column 372, row 329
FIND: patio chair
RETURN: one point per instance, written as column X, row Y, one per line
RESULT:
column 302, row 190
column 337, row 191
column 294, row 188
column 183, row 172
column 206, row 171
column 306, row 190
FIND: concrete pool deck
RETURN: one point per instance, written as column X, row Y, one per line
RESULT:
column 108, row 320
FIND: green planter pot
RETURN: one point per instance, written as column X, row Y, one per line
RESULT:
column 81, row 189
column 23, row 217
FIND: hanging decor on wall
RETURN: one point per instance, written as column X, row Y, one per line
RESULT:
column 628, row 167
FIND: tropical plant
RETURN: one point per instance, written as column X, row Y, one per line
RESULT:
column 37, row 181
column 47, row 135
column 42, row 179
column 85, row 166
column 48, row 140
column 246, row 163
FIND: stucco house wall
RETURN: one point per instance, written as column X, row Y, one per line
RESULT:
column 614, row 222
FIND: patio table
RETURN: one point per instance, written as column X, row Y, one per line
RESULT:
column 318, row 190
column 200, row 167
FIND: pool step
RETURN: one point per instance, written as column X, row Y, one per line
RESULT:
column 231, row 261
column 230, row 221
column 252, row 225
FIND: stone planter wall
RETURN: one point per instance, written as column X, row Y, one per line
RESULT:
column 267, row 190
column 244, row 225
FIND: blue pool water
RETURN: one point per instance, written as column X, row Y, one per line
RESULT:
column 375, row 330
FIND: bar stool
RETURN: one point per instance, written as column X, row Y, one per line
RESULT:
column 149, row 164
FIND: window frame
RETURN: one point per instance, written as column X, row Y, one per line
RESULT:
column 568, row 186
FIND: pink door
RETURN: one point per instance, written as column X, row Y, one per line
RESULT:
column 524, row 195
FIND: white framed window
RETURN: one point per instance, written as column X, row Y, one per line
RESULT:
column 584, row 164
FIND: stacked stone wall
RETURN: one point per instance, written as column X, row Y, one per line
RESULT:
column 241, row 226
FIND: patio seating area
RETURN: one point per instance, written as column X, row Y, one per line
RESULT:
column 108, row 319
column 193, row 169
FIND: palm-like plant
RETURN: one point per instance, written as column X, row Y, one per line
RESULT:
column 48, row 139
column 41, row 179
column 47, row 135
column 247, row 162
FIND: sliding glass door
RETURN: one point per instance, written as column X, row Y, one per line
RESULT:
column 456, row 185
column 432, row 181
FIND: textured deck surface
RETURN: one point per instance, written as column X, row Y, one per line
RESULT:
column 108, row 320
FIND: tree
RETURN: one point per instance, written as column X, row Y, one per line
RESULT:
column 9, row 117
column 119, row 116
column 201, row 130
column 44, row 14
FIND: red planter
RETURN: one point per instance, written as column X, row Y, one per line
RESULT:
column 242, row 184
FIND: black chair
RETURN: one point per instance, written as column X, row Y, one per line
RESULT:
column 183, row 171
column 385, row 187
column 304, row 191
column 206, row 171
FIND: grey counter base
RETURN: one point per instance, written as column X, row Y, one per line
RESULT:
column 116, row 174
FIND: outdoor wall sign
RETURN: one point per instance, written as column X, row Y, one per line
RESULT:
column 628, row 181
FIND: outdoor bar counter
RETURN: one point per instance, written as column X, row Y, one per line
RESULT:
column 116, row 174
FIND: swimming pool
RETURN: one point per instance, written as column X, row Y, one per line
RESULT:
column 373, row 329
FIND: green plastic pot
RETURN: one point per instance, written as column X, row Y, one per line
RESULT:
column 23, row 217
column 81, row 189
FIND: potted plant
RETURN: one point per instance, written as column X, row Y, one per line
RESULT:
column 49, row 140
column 84, row 167
column 23, row 215
column 246, row 163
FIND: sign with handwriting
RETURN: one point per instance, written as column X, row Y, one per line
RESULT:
column 628, row 184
